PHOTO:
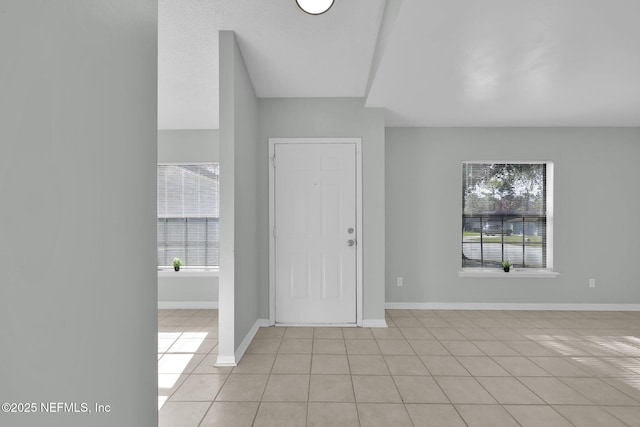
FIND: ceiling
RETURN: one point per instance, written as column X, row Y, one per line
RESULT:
column 426, row 62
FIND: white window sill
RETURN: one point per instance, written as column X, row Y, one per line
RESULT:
column 513, row 274
column 214, row 272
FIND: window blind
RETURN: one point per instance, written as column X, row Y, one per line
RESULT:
column 188, row 213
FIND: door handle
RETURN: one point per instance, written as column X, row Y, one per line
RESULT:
column 351, row 242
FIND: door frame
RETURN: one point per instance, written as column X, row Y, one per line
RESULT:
column 272, row 245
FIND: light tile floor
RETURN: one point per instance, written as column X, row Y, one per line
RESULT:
column 429, row 368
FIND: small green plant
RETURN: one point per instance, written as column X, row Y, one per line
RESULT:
column 507, row 263
column 177, row 262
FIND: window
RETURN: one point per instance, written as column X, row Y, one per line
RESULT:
column 507, row 214
column 188, row 212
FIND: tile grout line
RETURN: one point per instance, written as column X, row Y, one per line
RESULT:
column 580, row 340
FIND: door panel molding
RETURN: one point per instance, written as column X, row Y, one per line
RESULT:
column 273, row 142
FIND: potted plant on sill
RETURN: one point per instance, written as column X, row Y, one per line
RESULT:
column 506, row 265
column 177, row 262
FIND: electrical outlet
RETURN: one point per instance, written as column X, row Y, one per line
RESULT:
column 399, row 281
column 592, row 283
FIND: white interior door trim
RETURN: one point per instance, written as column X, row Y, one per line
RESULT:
column 272, row 266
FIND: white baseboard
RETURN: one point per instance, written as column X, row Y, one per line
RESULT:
column 247, row 339
column 187, row 305
column 374, row 323
column 225, row 361
column 509, row 306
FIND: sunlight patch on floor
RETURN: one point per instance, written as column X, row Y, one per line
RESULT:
column 179, row 349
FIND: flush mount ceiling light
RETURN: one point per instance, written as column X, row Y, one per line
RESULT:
column 315, row 7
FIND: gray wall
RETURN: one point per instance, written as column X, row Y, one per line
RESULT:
column 201, row 145
column 188, row 145
column 238, row 197
column 187, row 292
column 330, row 117
column 596, row 213
column 78, row 288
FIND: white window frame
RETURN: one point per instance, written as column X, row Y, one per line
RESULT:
column 185, row 271
column 547, row 272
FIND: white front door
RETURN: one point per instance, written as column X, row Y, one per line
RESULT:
column 315, row 233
